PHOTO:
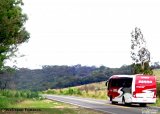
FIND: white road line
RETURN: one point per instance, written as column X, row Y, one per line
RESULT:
column 81, row 106
column 89, row 101
column 85, row 100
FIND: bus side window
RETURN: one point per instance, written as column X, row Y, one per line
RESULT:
column 129, row 83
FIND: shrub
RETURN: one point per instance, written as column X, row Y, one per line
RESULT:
column 61, row 91
column 34, row 95
column 79, row 92
column 8, row 93
column 51, row 92
column 17, row 94
column 158, row 90
column 23, row 94
column 4, row 102
column 72, row 91
column 10, row 97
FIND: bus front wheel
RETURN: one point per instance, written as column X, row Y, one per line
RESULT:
column 113, row 102
column 123, row 101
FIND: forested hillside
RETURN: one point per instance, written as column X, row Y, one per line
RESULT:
column 51, row 77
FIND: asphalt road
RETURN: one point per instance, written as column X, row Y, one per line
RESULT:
column 104, row 105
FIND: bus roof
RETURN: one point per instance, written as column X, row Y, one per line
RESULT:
column 127, row 76
column 120, row 76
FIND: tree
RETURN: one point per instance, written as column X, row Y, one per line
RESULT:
column 139, row 52
column 12, row 30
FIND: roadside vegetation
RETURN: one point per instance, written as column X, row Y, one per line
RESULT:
column 26, row 100
column 12, row 97
column 53, row 107
column 156, row 72
column 94, row 90
column 158, row 95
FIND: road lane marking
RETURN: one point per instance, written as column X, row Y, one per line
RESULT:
column 93, row 101
column 81, row 105
column 89, row 101
column 85, row 100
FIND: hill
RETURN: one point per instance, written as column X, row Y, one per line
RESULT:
column 54, row 77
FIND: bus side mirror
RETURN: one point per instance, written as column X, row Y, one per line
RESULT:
column 106, row 83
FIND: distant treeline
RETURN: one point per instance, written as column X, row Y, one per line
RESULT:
column 51, row 77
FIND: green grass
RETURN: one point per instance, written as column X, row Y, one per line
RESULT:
column 19, row 94
column 156, row 104
column 6, row 102
column 25, row 101
column 31, row 103
column 52, row 107
column 94, row 90
column 10, row 97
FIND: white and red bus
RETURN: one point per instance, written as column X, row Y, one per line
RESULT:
column 128, row 89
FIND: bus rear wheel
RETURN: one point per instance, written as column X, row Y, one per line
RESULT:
column 124, row 103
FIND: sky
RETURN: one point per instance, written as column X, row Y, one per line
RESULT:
column 87, row 32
